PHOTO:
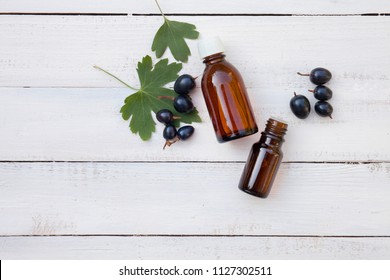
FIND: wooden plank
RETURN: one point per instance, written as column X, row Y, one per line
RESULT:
column 42, row 51
column 85, row 125
column 201, row 6
column 162, row 248
column 192, row 198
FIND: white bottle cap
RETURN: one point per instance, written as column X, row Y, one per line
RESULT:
column 210, row 45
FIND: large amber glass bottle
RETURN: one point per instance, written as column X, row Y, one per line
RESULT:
column 264, row 160
column 225, row 94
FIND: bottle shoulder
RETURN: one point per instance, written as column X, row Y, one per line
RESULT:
column 274, row 150
column 221, row 69
column 222, row 64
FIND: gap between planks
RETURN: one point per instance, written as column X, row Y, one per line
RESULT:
column 195, row 15
column 198, row 235
column 189, row 161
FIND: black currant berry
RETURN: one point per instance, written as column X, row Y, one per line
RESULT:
column 300, row 106
column 183, row 104
column 184, row 84
column 164, row 116
column 322, row 93
column 324, row 109
column 169, row 132
column 185, row 132
column 318, row 76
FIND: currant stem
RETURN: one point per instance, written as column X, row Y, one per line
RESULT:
column 170, row 142
column 330, row 116
column 166, row 97
column 300, row 74
column 167, row 143
column 115, row 77
column 310, row 90
column 295, row 94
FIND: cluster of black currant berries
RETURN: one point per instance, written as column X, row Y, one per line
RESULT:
column 183, row 104
column 300, row 105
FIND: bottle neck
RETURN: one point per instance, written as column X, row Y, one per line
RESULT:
column 270, row 140
column 274, row 132
column 214, row 58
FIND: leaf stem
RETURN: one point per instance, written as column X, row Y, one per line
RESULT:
column 115, row 77
column 158, row 5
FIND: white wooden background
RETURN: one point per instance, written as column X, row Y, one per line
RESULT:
column 75, row 183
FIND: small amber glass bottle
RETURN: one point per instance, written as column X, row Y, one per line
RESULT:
column 225, row 94
column 264, row 160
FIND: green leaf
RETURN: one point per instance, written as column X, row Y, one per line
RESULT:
column 171, row 35
column 139, row 106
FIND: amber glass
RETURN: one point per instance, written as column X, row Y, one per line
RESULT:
column 264, row 160
column 226, row 99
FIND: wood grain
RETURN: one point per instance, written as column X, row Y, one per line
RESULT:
column 192, row 198
column 201, row 6
column 85, row 125
column 183, row 203
column 55, row 51
column 162, row 248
